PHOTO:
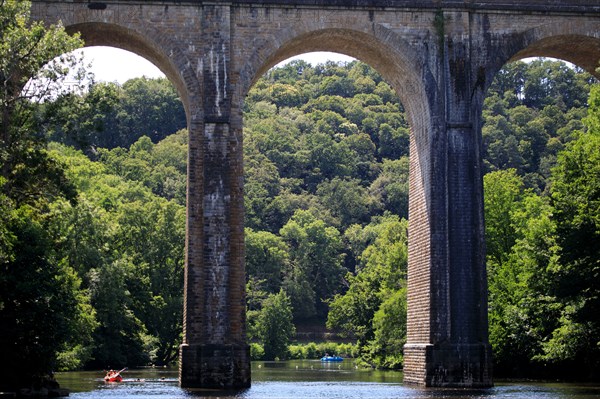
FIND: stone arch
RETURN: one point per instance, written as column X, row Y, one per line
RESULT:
column 169, row 58
column 406, row 68
column 151, row 46
column 573, row 41
column 392, row 56
column 581, row 50
column 375, row 45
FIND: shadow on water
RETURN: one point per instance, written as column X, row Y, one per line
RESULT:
column 304, row 379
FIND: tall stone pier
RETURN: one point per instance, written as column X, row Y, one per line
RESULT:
column 447, row 301
column 440, row 56
column 215, row 353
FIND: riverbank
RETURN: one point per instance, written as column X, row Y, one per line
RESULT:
column 37, row 393
column 46, row 387
column 309, row 350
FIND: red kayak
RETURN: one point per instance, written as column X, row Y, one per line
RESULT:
column 116, row 378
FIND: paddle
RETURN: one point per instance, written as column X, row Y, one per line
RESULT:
column 119, row 372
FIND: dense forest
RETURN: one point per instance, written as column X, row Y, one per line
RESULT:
column 89, row 179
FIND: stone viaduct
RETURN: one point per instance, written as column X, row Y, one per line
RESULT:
column 439, row 55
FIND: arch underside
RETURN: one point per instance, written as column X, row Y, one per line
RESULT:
column 392, row 56
column 398, row 62
column 583, row 51
column 114, row 35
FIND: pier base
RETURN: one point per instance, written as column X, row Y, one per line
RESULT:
column 211, row 366
column 448, row 365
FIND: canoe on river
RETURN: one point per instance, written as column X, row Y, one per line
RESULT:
column 331, row 359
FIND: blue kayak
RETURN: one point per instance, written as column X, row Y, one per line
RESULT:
column 331, row 359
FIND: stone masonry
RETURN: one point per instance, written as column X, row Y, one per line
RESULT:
column 439, row 55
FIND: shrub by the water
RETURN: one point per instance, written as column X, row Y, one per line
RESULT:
column 314, row 350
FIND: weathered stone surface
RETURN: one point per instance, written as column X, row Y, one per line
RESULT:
column 215, row 366
column 439, row 55
column 520, row 5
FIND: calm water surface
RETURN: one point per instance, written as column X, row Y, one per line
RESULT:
column 304, row 379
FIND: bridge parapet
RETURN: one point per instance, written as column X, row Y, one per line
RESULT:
column 545, row 6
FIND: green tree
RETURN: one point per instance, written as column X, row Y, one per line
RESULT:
column 503, row 191
column 43, row 310
column 262, row 185
column 347, row 200
column 380, row 274
column 111, row 115
column 389, row 190
column 157, row 282
column 26, row 47
column 287, row 202
column 109, row 229
column 266, row 258
column 393, row 142
column 389, row 330
column 522, row 310
column 84, row 120
column 150, row 107
column 530, row 112
column 119, row 338
column 316, row 260
column 275, row 325
column 575, row 194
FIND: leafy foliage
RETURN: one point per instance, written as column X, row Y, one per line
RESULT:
column 275, row 326
column 575, row 196
column 543, row 280
column 531, row 112
column 110, row 115
column 43, row 308
column 136, row 289
column 374, row 307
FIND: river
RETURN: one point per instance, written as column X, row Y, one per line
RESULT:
column 306, row 379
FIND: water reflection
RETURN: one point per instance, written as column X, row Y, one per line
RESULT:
column 303, row 380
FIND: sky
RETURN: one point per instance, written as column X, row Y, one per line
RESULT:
column 110, row 64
